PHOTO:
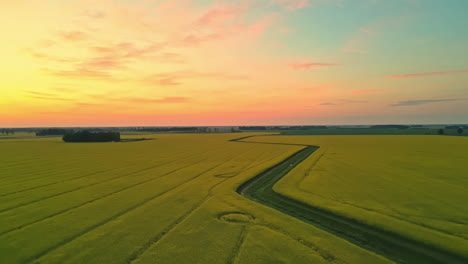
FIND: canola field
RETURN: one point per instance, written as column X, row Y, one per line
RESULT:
column 416, row 186
column 168, row 200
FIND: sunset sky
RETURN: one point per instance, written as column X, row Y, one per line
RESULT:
column 246, row 62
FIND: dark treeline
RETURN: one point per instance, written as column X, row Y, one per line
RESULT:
column 281, row 127
column 87, row 136
column 391, row 126
column 304, row 127
column 54, row 132
column 252, row 128
column 166, row 129
column 6, row 131
column 456, row 127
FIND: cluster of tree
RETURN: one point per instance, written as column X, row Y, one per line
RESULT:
column 390, row 126
column 87, row 136
column 54, row 132
column 304, row 127
column 459, row 130
column 5, row 131
column 166, row 129
column 217, row 129
column 456, row 127
column 252, row 128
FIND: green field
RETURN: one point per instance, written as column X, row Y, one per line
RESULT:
column 411, row 185
column 173, row 199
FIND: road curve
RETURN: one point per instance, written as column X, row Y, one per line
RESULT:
column 393, row 246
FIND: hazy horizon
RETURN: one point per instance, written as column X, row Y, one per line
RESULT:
column 254, row 125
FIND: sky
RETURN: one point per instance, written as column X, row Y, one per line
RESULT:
column 244, row 62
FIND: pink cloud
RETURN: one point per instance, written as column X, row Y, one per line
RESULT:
column 127, row 50
column 219, row 13
column 428, row 74
column 151, row 34
column 259, row 27
column 303, row 66
column 104, row 59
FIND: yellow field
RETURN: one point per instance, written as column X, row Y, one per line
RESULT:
column 167, row 200
column 413, row 185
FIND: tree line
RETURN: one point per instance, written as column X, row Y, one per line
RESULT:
column 54, row 132
column 87, row 136
column 5, row 131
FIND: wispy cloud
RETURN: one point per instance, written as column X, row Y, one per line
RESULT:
column 100, row 57
column 193, row 39
column 420, row 102
column 95, row 14
column 364, row 91
column 164, row 100
column 73, row 35
column 112, row 97
column 344, row 102
column 176, row 78
column 45, row 96
column 80, row 74
column 50, row 98
column 219, row 13
column 87, row 104
column 34, row 93
column 354, row 101
column 427, row 74
column 312, row 65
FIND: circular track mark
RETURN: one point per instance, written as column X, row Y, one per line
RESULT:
column 236, row 217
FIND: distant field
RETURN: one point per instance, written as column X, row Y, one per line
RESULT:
column 373, row 131
column 167, row 200
column 17, row 135
column 412, row 185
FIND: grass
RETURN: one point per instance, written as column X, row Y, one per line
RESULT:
column 394, row 246
column 158, row 200
column 414, row 186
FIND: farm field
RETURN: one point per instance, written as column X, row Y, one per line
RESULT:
column 373, row 131
column 411, row 185
column 167, row 200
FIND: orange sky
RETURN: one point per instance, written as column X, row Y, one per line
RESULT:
column 181, row 62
